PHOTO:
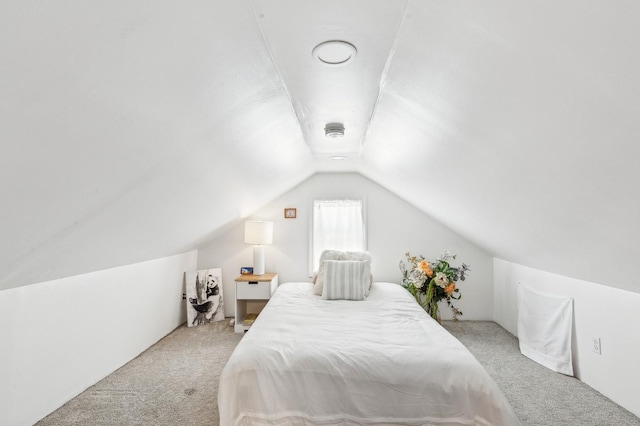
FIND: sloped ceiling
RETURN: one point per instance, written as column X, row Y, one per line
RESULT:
column 136, row 130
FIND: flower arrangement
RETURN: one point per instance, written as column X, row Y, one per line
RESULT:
column 431, row 282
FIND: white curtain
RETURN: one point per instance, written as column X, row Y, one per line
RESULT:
column 337, row 225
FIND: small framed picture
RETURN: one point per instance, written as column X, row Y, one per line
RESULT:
column 289, row 213
column 246, row 270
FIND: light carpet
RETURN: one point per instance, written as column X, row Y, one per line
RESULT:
column 175, row 382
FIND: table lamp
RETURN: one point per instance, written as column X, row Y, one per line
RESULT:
column 258, row 233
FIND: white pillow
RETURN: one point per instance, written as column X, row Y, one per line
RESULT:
column 343, row 255
column 343, row 280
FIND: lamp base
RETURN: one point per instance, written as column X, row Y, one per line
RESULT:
column 258, row 260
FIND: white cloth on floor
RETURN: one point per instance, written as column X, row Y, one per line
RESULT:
column 544, row 329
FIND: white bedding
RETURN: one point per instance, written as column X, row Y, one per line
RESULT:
column 381, row 361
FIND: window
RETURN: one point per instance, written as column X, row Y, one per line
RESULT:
column 337, row 225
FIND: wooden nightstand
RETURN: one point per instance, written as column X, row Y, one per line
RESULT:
column 252, row 288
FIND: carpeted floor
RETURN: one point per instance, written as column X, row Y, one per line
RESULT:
column 175, row 382
column 538, row 395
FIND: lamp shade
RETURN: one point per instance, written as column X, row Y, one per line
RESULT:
column 258, row 232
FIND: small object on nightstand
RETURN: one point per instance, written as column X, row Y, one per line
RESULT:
column 252, row 290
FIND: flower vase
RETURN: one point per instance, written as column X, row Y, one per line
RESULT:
column 434, row 312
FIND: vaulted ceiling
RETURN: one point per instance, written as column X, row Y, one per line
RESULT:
column 136, row 130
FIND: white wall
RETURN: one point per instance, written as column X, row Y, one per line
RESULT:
column 59, row 337
column 394, row 227
column 599, row 311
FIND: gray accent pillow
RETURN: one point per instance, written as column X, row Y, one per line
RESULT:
column 364, row 256
column 344, row 280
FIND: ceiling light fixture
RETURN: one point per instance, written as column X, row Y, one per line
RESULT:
column 334, row 52
column 334, row 130
column 338, row 157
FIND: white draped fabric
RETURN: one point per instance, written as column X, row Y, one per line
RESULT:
column 544, row 329
column 337, row 225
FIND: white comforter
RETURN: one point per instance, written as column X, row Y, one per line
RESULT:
column 381, row 361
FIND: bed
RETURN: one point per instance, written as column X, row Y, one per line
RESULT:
column 380, row 361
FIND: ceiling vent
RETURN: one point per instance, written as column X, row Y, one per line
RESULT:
column 334, row 130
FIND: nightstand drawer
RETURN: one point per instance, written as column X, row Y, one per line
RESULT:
column 261, row 290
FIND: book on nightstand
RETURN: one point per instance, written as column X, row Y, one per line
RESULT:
column 250, row 318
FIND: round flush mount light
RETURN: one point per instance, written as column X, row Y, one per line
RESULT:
column 334, row 52
column 334, row 130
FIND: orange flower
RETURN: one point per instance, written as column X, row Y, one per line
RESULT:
column 424, row 267
column 449, row 288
